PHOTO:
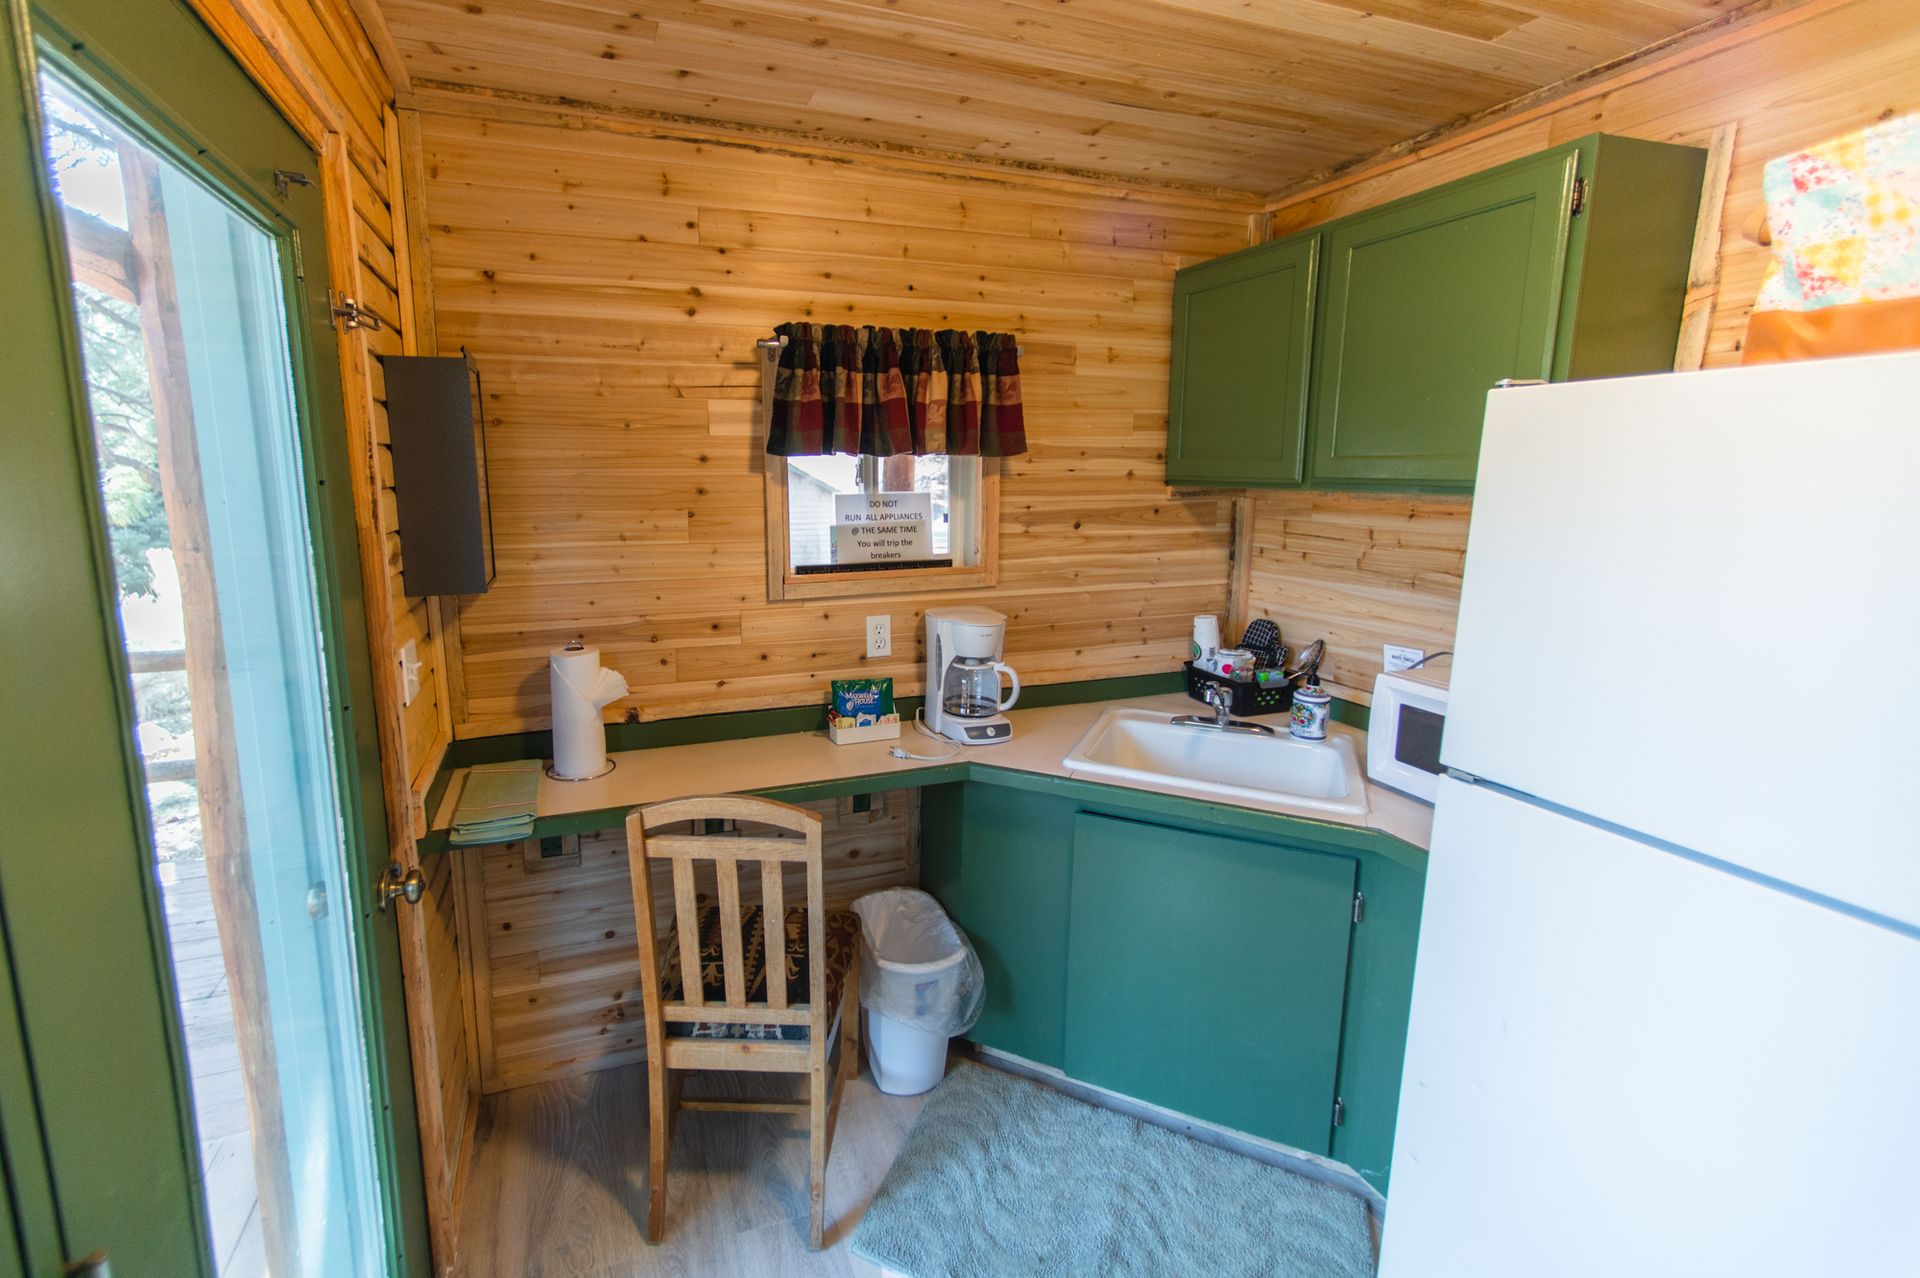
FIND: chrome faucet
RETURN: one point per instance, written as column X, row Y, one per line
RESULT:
column 1220, row 697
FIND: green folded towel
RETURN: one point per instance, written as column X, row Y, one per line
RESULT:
column 497, row 804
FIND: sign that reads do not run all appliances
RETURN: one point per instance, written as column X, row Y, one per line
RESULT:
column 872, row 528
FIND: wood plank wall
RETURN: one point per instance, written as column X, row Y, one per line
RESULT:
column 554, row 942
column 316, row 61
column 611, row 284
column 1369, row 570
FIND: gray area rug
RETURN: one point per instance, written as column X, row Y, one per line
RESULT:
column 1004, row 1178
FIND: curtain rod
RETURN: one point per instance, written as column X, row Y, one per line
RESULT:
column 780, row 344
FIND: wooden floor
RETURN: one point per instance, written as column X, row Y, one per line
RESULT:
column 558, row 1185
column 213, row 1061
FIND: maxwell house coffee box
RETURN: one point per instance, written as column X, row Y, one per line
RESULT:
column 862, row 710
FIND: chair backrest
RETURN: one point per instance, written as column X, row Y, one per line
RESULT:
column 773, row 853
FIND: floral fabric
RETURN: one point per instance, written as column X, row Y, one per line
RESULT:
column 1845, row 222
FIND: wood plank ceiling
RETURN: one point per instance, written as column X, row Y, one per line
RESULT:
column 1250, row 96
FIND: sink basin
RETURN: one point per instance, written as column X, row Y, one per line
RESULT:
column 1142, row 745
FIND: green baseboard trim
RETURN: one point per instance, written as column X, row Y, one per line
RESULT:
column 741, row 724
column 1351, row 713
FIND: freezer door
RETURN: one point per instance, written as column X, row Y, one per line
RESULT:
column 1675, row 620
column 1621, row 1061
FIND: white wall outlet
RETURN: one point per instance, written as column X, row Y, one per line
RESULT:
column 880, row 636
column 409, row 671
column 1395, row 656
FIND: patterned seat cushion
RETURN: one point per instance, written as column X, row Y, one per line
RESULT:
column 843, row 936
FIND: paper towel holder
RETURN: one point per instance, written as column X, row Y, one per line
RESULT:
column 573, row 645
column 612, row 763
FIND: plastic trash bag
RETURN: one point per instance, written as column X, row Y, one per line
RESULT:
column 916, row 966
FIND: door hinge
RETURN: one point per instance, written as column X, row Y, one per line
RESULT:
column 1579, row 195
column 299, row 258
column 286, row 179
column 350, row 314
column 1359, row 906
column 1339, row 1111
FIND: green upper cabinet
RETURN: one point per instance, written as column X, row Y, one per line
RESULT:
column 1429, row 302
column 1568, row 264
column 1242, row 338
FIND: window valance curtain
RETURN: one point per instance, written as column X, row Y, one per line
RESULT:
column 885, row 391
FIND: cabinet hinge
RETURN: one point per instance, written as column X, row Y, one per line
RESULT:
column 350, row 314
column 1339, row 1111
column 1359, row 906
column 1579, row 195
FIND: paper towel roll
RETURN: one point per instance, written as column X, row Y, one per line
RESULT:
column 580, row 689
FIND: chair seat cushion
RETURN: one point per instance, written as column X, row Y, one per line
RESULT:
column 843, row 937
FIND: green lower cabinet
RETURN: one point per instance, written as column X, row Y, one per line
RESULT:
column 1206, row 974
column 1196, row 957
column 1009, row 895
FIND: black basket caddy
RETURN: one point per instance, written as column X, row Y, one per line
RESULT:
column 1248, row 698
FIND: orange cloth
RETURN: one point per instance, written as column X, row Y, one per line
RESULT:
column 1845, row 221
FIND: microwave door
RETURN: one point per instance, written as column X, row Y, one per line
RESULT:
column 1403, row 743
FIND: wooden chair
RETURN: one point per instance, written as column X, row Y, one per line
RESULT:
column 700, row 1013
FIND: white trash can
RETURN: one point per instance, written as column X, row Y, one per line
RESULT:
column 920, row 983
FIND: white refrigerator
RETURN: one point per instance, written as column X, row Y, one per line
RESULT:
column 1666, row 1006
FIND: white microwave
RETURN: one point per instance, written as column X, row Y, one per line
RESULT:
column 1403, row 731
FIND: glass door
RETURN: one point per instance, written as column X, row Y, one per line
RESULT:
column 228, row 595
column 184, row 341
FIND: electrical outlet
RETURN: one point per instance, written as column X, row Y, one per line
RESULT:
column 880, row 636
column 1395, row 656
column 409, row 671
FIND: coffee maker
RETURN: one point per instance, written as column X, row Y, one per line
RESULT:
column 964, row 650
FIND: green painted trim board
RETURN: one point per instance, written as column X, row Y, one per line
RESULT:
column 742, row 724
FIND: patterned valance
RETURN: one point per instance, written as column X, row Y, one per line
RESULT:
column 884, row 391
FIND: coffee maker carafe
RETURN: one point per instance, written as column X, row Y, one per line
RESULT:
column 964, row 650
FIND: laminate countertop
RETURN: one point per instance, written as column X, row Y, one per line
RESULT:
column 1042, row 739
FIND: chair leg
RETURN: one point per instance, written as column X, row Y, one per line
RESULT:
column 659, row 1138
column 817, row 1155
column 676, row 1081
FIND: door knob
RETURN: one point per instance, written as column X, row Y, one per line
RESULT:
column 409, row 885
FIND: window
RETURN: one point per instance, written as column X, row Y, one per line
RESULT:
column 845, row 525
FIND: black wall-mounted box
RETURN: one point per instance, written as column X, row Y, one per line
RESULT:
column 438, row 429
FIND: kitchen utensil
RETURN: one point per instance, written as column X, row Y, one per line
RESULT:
column 1308, row 662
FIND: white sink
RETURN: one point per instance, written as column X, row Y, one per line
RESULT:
column 1143, row 745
